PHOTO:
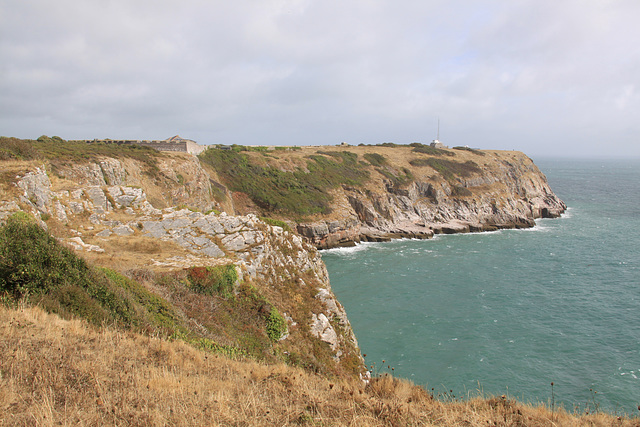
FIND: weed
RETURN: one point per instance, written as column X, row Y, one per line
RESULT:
column 553, row 401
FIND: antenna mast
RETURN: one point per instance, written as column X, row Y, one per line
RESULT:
column 438, row 137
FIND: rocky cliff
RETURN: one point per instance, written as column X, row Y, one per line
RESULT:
column 341, row 195
column 500, row 190
column 99, row 209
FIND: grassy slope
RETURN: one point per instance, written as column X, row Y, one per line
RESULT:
column 55, row 371
column 199, row 305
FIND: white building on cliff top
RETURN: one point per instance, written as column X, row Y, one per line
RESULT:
column 436, row 142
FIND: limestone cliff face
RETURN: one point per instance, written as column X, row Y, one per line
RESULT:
column 507, row 190
column 99, row 208
column 178, row 180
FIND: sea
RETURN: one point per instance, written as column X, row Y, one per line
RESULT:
column 547, row 315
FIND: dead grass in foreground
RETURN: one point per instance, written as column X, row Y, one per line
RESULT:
column 59, row 372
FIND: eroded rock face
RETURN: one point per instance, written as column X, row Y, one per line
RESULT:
column 179, row 180
column 263, row 254
column 36, row 186
column 511, row 195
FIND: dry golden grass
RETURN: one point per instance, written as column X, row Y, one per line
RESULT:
column 59, row 372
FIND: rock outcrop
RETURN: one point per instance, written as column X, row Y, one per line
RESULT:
column 104, row 207
column 502, row 194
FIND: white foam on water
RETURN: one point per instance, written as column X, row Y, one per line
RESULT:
column 351, row 249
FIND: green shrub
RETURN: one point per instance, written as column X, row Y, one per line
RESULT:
column 276, row 325
column 447, row 168
column 34, row 265
column 298, row 192
column 32, row 261
column 157, row 312
column 397, row 180
column 61, row 152
column 427, row 149
column 213, row 280
column 472, row 150
column 375, row 159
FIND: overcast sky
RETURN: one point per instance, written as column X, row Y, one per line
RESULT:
column 547, row 77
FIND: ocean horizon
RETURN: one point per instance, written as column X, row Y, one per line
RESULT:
column 511, row 311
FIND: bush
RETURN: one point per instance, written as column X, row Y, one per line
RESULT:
column 276, row 325
column 61, row 152
column 472, row 150
column 448, row 169
column 213, row 280
column 397, row 180
column 427, row 149
column 34, row 265
column 375, row 159
column 18, row 149
column 32, row 261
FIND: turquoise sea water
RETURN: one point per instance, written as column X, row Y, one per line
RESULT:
column 509, row 312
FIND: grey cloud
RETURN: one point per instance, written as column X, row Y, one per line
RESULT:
column 545, row 79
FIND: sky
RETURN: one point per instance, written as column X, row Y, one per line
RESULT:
column 552, row 78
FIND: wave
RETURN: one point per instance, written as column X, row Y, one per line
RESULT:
column 350, row 249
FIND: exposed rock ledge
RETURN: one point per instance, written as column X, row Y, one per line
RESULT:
column 512, row 195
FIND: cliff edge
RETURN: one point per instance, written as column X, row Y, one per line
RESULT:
column 341, row 195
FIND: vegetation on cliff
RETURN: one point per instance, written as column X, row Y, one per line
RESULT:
column 301, row 192
column 302, row 187
column 207, row 306
column 34, row 265
column 447, row 168
column 60, row 152
column 56, row 371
